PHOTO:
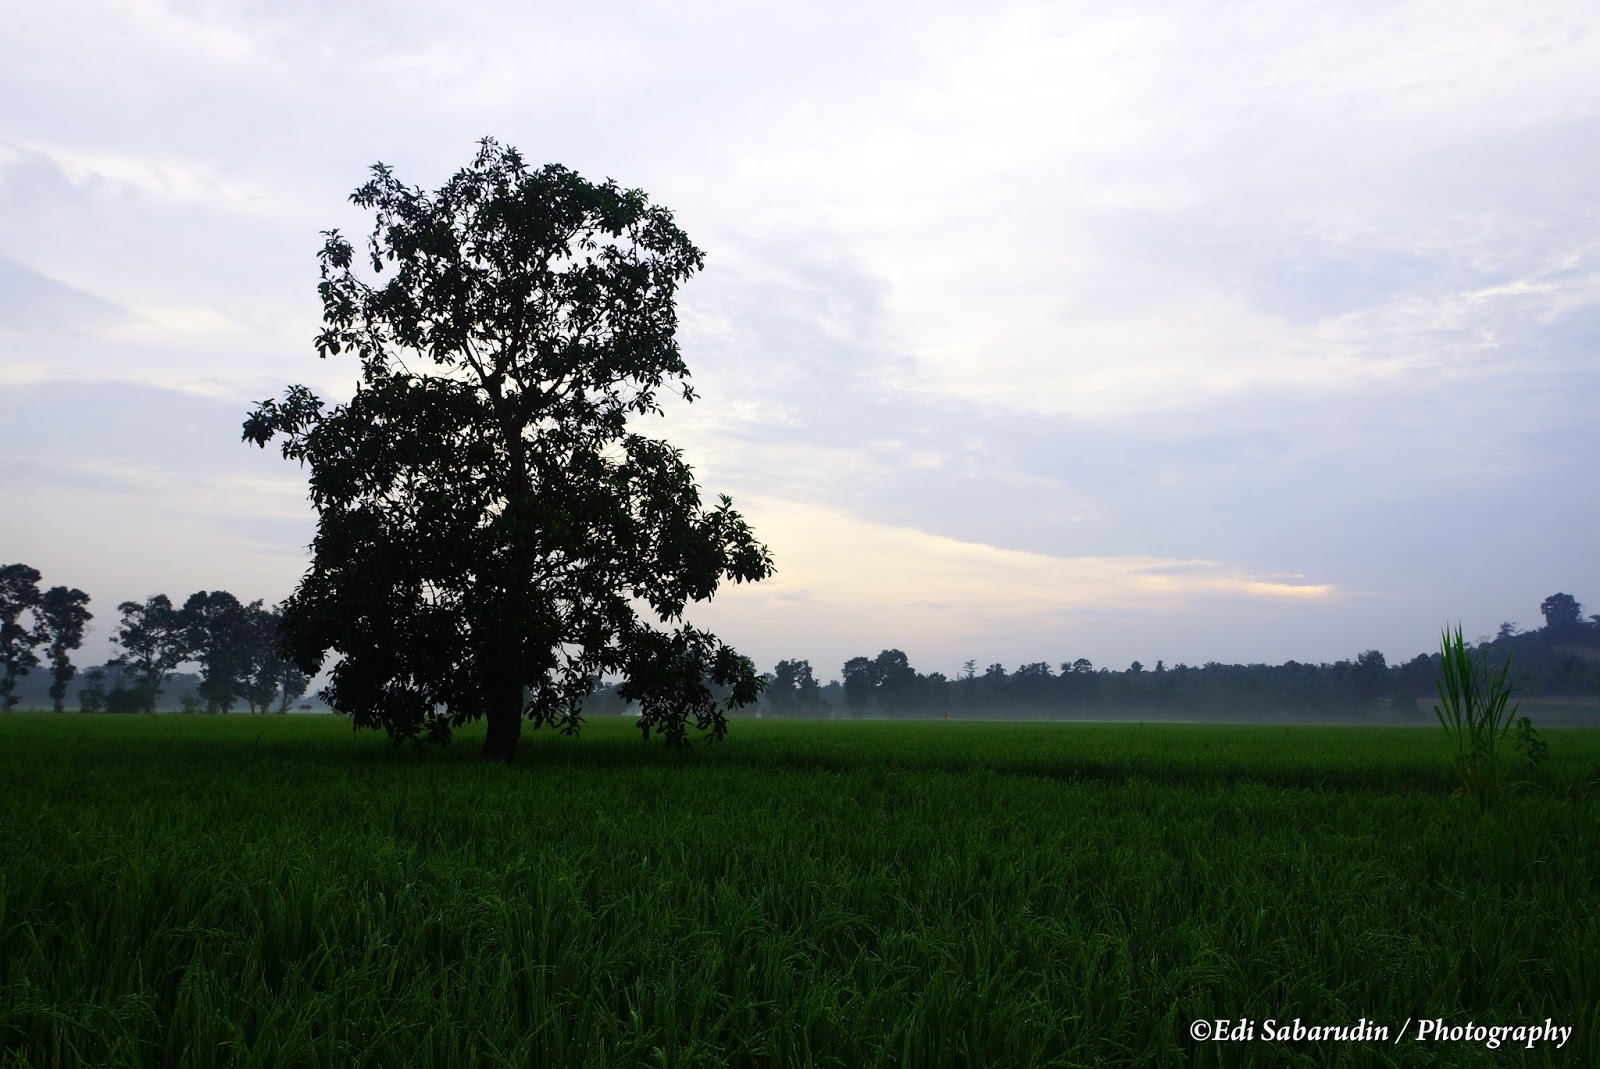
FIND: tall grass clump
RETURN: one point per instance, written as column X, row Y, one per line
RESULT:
column 1472, row 709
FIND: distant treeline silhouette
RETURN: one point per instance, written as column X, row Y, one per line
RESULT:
column 234, row 645
column 1561, row 659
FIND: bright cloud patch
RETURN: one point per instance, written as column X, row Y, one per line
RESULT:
column 871, row 582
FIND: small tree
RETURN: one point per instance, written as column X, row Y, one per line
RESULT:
column 1562, row 614
column 1370, row 677
column 781, row 691
column 154, row 638
column 860, row 678
column 896, row 682
column 131, row 696
column 268, row 673
column 19, row 593
column 808, row 692
column 487, row 521
column 221, row 637
column 292, row 684
column 62, row 617
column 92, row 694
column 792, row 690
column 261, row 661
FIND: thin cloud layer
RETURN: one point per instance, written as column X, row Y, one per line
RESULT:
column 847, row 586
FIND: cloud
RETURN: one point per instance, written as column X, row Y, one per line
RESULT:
column 178, row 181
column 1265, row 588
column 29, row 299
column 843, row 560
column 1154, row 207
column 165, row 322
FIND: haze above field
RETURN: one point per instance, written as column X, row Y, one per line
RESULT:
column 1153, row 330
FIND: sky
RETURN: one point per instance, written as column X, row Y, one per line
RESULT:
column 1239, row 332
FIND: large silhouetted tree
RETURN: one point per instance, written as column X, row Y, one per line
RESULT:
column 62, row 618
column 488, row 520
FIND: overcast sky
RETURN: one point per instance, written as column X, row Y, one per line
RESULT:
column 1150, row 330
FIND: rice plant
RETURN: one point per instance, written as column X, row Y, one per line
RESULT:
column 222, row 892
column 1472, row 710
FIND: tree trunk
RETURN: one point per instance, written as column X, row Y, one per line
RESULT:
column 504, row 714
column 505, row 728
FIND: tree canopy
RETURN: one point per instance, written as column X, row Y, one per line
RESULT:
column 19, row 593
column 1561, row 612
column 155, row 638
column 489, row 523
column 62, row 618
column 55, row 619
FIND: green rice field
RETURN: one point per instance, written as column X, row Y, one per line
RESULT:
column 276, row 891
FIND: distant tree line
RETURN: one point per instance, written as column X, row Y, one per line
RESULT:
column 1561, row 659
column 236, row 646
column 30, row 618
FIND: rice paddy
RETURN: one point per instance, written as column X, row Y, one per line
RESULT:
column 275, row 891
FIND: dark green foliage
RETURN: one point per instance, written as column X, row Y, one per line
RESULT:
column 239, row 650
column 860, row 679
column 1533, row 748
column 155, row 638
column 1031, row 687
column 221, row 633
column 92, row 694
column 894, row 682
column 1473, row 710
column 131, row 696
column 1554, row 663
column 792, row 690
column 487, row 519
column 62, row 618
column 778, row 690
column 265, row 665
column 1561, row 612
column 1370, row 677
column 284, row 675
column 19, row 594
column 889, row 683
column 1365, row 689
